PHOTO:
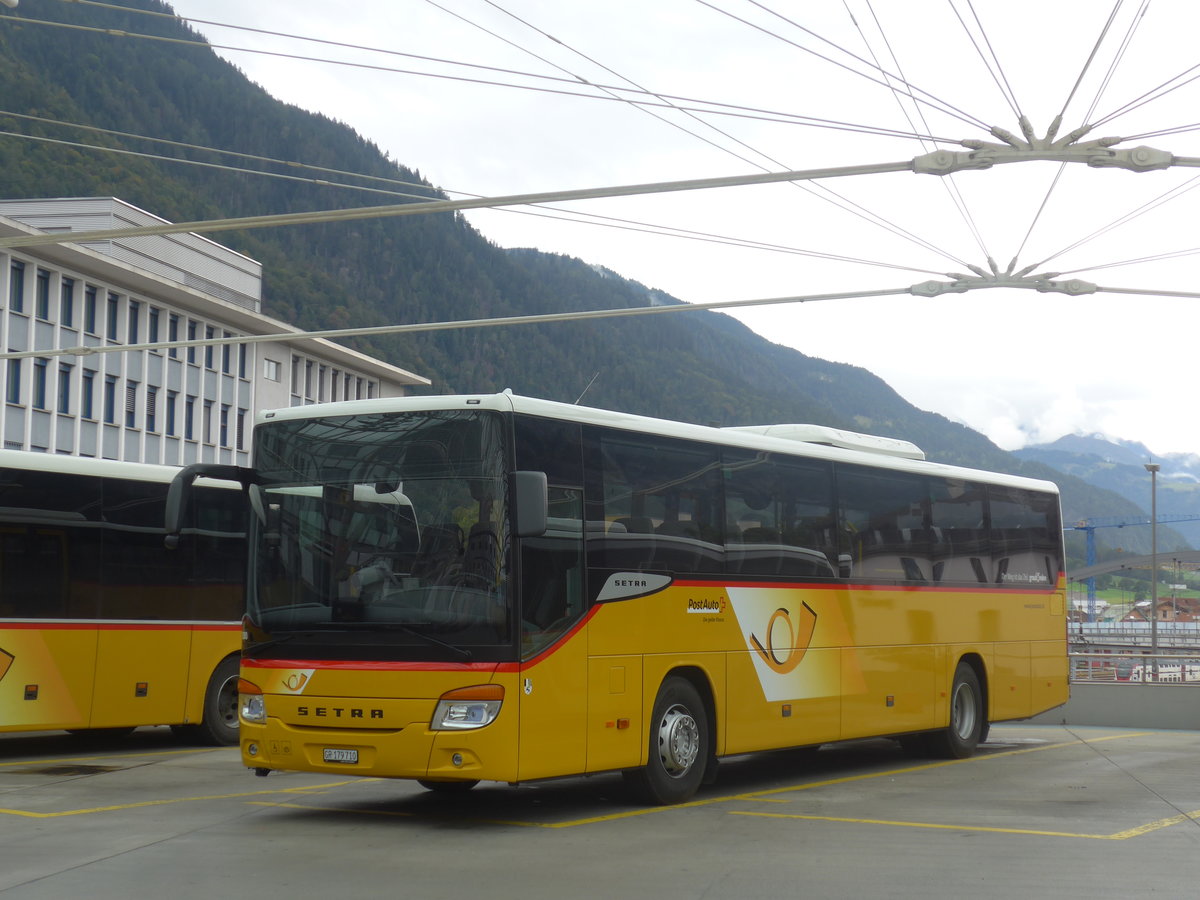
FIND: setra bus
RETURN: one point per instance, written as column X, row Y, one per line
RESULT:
column 463, row 588
column 101, row 627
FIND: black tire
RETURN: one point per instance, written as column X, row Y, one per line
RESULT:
column 679, row 748
column 446, row 787
column 219, row 726
column 959, row 739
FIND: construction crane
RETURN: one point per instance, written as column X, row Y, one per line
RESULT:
column 1089, row 526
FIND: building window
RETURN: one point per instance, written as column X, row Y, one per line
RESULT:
column 224, row 425
column 209, row 334
column 227, row 355
column 89, row 309
column 191, row 336
column 135, row 310
column 13, row 391
column 131, row 388
column 110, row 399
column 64, row 387
column 296, row 375
column 242, row 354
column 173, row 335
column 171, row 396
column 206, row 425
column 41, row 295
column 85, row 395
column 271, row 369
column 189, row 415
column 308, row 379
column 16, row 287
column 152, row 337
column 39, row 382
column 151, row 410
column 113, row 310
column 66, row 303
column 241, row 429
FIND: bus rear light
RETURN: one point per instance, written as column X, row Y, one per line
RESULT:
column 251, row 704
column 466, row 708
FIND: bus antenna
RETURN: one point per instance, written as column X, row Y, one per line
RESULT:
column 586, row 389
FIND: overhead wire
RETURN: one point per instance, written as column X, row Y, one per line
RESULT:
column 821, row 191
column 1066, row 103
column 673, row 100
column 933, row 101
column 997, row 74
column 554, row 213
column 949, row 183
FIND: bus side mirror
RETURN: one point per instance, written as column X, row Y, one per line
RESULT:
column 530, row 498
column 180, row 492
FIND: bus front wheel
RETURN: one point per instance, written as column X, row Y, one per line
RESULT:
column 959, row 739
column 678, row 751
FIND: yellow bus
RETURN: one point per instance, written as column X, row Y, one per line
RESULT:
column 102, row 627
column 463, row 588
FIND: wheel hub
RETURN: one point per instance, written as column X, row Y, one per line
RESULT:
column 678, row 741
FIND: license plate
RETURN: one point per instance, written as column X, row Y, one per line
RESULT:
column 335, row 755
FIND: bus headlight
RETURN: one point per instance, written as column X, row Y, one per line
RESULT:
column 251, row 704
column 466, row 708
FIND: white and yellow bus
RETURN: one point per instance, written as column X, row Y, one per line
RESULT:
column 101, row 626
column 463, row 588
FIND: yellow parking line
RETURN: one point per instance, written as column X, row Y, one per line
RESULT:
column 26, row 763
column 771, row 795
column 1116, row 836
column 30, row 814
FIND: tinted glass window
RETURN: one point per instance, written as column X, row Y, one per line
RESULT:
column 1025, row 537
column 885, row 523
column 660, row 502
column 958, row 531
column 778, row 516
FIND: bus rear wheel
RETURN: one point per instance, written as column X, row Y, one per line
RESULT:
column 679, row 746
column 959, row 739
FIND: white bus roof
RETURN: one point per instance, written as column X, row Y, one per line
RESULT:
column 777, row 438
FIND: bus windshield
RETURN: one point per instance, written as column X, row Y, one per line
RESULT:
column 382, row 536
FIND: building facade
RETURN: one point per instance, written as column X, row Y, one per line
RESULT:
column 160, row 404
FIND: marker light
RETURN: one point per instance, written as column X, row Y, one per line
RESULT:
column 466, row 708
column 251, row 703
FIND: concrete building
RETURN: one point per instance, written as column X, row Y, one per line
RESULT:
column 170, row 405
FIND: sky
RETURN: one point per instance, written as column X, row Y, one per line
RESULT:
column 774, row 86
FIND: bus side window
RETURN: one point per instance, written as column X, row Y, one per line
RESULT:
column 552, row 574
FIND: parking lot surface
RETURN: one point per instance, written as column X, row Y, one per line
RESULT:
column 1040, row 811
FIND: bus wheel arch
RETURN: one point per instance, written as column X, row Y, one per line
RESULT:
column 968, row 712
column 680, row 740
column 219, row 723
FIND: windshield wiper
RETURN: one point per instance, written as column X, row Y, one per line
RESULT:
column 271, row 642
column 462, row 652
column 356, row 628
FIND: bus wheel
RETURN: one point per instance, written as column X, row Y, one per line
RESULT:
column 220, row 723
column 446, row 787
column 678, row 746
column 960, row 738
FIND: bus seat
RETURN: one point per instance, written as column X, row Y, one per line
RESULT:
column 441, row 552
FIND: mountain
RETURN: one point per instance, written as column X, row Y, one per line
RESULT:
column 694, row 366
column 1119, row 466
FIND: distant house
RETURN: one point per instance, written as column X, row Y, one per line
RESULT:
column 1178, row 609
column 170, row 405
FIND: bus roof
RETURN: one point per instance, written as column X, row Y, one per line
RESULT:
column 887, row 453
column 86, row 465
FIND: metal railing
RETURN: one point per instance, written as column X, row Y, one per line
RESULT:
column 1135, row 668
